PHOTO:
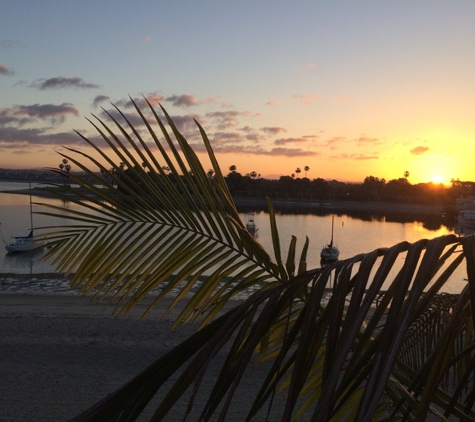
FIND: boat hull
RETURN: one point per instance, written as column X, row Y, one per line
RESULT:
column 329, row 254
column 24, row 244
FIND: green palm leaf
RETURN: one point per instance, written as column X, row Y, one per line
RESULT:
column 156, row 230
column 346, row 352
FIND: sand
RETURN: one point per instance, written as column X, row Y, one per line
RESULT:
column 60, row 354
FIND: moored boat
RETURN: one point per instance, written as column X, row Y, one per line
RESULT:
column 251, row 225
column 25, row 243
column 330, row 252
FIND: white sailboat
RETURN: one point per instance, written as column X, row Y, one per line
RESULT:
column 251, row 225
column 25, row 243
column 330, row 252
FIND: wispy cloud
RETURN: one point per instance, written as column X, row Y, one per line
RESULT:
column 273, row 130
column 367, row 140
column 61, row 82
column 5, row 71
column 100, row 99
column 292, row 152
column 153, row 98
column 419, row 150
column 224, row 119
column 22, row 115
column 306, row 99
column 285, row 141
column 336, row 140
column 358, row 157
column 238, row 147
column 228, row 129
column 187, row 100
column 273, row 102
column 17, row 138
column 366, row 157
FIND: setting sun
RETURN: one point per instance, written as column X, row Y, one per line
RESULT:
column 437, row 179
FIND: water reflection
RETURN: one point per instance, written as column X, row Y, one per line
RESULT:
column 355, row 231
column 27, row 262
column 431, row 222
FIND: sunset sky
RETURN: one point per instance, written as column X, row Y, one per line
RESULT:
column 349, row 89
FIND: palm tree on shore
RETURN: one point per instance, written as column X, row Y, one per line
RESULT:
column 367, row 338
column 65, row 168
column 306, row 168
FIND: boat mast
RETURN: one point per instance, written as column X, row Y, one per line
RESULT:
column 31, row 210
column 331, row 241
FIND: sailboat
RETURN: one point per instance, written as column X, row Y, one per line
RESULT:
column 251, row 225
column 25, row 243
column 330, row 252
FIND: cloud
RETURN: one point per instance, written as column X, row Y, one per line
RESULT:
column 22, row 115
column 273, row 102
column 343, row 99
column 153, row 98
column 14, row 138
column 366, row 157
column 306, row 99
column 358, row 157
column 336, row 140
column 227, row 138
column 238, row 147
column 285, row 141
column 419, row 150
column 254, row 137
column 5, row 71
column 367, row 140
column 292, row 152
column 61, row 82
column 224, row 119
column 148, row 40
column 100, row 99
column 273, row 130
column 310, row 66
column 187, row 126
column 134, row 118
column 187, row 100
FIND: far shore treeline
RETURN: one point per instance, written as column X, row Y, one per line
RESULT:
column 372, row 188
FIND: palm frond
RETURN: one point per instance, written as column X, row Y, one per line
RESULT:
column 334, row 351
column 324, row 356
column 156, row 230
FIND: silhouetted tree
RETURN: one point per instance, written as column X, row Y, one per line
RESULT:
column 65, row 168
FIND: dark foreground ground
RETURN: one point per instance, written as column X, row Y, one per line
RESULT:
column 61, row 354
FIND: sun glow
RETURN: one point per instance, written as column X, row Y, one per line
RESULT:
column 437, row 179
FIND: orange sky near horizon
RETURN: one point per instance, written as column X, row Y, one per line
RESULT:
column 349, row 89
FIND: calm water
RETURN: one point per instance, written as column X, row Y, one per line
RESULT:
column 353, row 234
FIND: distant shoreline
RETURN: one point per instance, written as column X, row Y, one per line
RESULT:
column 325, row 205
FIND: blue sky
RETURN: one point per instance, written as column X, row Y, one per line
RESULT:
column 350, row 89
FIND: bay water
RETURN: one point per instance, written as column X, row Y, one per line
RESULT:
column 354, row 233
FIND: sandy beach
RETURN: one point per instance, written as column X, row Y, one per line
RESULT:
column 60, row 354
